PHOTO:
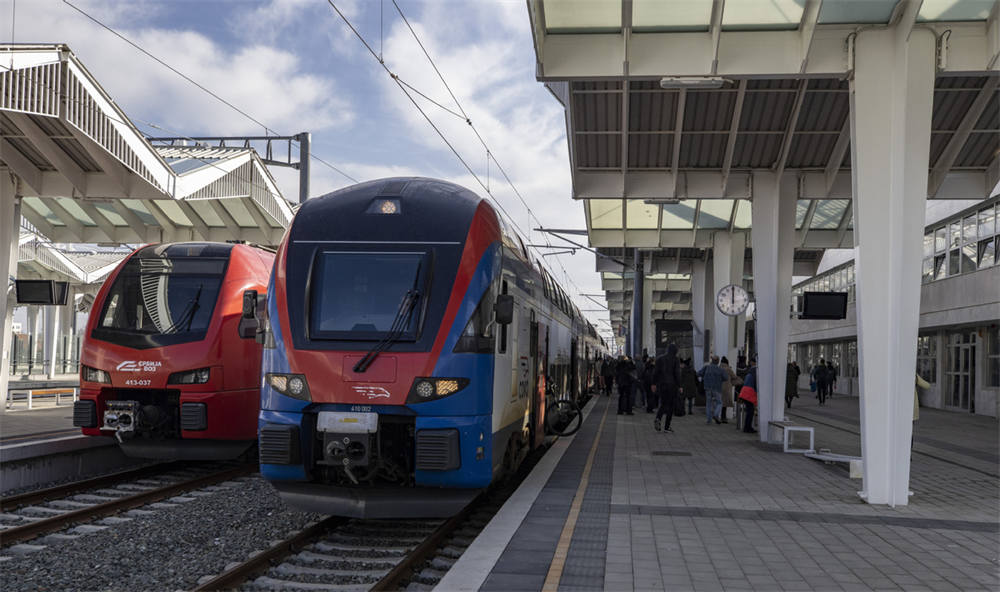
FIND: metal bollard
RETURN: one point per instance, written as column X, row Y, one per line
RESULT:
column 30, row 393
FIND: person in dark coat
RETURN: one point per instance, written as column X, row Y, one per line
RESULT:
column 689, row 383
column 608, row 375
column 666, row 384
column 624, row 377
column 750, row 380
column 647, row 383
column 819, row 374
column 791, row 383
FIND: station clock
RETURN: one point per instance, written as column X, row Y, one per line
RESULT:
column 732, row 300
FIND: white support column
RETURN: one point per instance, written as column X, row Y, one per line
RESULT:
column 727, row 268
column 10, row 224
column 64, row 340
column 51, row 344
column 892, row 94
column 648, row 324
column 773, row 239
column 34, row 330
column 700, row 286
column 722, row 264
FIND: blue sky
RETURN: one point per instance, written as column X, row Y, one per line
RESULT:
column 294, row 65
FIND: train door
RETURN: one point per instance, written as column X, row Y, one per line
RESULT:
column 538, row 360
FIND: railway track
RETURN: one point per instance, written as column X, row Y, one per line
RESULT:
column 346, row 554
column 106, row 496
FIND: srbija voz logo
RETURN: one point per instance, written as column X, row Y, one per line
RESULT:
column 372, row 392
column 140, row 366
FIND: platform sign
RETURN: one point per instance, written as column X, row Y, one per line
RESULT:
column 41, row 292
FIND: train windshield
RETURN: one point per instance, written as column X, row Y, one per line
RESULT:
column 157, row 301
column 360, row 296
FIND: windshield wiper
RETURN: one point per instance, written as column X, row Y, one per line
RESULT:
column 188, row 315
column 399, row 324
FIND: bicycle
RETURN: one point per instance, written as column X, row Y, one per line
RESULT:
column 562, row 416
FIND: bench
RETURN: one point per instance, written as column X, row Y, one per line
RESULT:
column 787, row 429
column 31, row 394
column 856, row 463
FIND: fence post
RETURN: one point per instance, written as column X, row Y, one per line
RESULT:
column 30, row 393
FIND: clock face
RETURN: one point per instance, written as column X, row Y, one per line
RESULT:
column 732, row 300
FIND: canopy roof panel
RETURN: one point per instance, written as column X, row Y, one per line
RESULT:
column 87, row 175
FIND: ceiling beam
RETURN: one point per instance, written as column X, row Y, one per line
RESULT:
column 39, row 221
column 807, row 28
column 845, row 221
column 675, row 159
column 715, row 28
column 793, row 122
column 837, row 156
column 101, row 220
column 197, row 223
column 112, row 167
column 21, row 166
column 134, row 221
column 807, row 221
column 961, row 135
column 904, row 16
column 73, row 225
column 51, row 151
column 734, row 128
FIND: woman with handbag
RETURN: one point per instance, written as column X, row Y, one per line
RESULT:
column 748, row 394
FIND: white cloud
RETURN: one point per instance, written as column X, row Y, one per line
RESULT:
column 265, row 81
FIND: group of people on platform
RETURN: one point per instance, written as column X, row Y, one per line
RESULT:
column 664, row 384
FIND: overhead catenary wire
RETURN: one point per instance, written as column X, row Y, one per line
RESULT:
column 490, row 155
column 267, row 129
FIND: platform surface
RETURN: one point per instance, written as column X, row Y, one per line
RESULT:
column 22, row 425
column 710, row 508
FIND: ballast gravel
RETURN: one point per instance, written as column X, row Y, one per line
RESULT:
column 166, row 549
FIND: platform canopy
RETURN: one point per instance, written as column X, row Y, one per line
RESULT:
column 82, row 266
column 670, row 107
column 86, row 174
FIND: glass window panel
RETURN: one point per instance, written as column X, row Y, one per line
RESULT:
column 828, row 214
column 715, row 213
column 139, row 209
column 969, row 228
column 940, row 240
column 757, row 14
column 928, row 271
column 856, row 11
column 640, row 214
column 969, row 254
column 675, row 15
column 928, row 244
column 956, row 234
column 592, row 16
column 605, row 213
column 39, row 206
column 743, row 214
column 109, row 212
column 987, row 252
column 680, row 215
column 75, row 210
column 987, row 224
column 953, row 259
column 954, row 10
column 801, row 207
column 939, row 269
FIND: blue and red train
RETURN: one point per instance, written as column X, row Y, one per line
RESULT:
column 409, row 341
column 163, row 365
column 399, row 366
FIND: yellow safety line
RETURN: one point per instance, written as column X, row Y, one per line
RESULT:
column 562, row 548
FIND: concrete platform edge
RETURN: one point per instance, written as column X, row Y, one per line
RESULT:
column 16, row 452
column 478, row 560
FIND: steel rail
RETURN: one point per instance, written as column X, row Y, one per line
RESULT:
column 425, row 550
column 45, row 526
column 42, row 495
column 232, row 578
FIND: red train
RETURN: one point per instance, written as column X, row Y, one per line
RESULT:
column 167, row 366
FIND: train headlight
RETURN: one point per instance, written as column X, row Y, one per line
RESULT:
column 292, row 385
column 199, row 376
column 384, row 206
column 89, row 374
column 430, row 389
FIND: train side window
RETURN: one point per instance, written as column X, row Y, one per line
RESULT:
column 503, row 328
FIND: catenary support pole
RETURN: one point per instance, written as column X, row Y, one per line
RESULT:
column 699, row 282
column 638, row 290
column 773, row 240
column 891, row 100
column 305, row 139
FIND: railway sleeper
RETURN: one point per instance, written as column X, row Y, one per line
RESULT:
column 328, row 546
column 266, row 583
column 329, row 576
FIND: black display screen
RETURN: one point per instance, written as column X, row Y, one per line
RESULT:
column 41, row 292
column 824, row 305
